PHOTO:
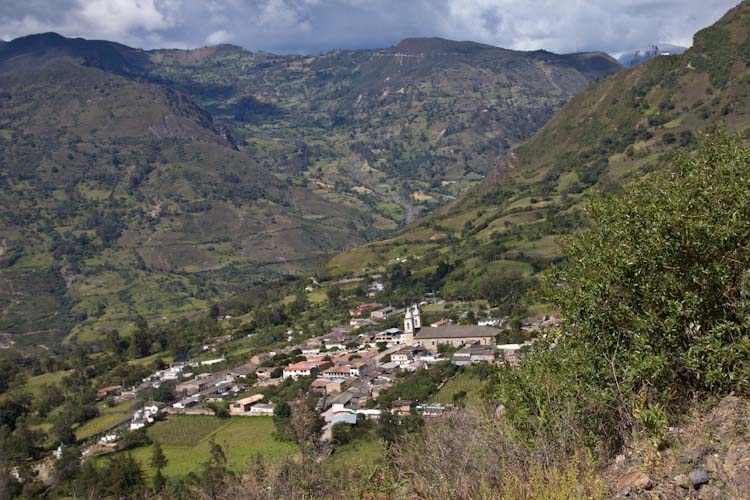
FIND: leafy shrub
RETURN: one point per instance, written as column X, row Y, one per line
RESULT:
column 655, row 302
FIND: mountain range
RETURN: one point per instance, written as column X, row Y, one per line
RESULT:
column 617, row 130
column 151, row 182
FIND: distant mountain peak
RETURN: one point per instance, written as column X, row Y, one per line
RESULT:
column 437, row 44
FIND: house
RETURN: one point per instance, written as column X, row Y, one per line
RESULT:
column 259, row 359
column 353, row 397
column 336, row 341
column 262, row 410
column 403, row 407
column 171, row 373
column 359, row 368
column 241, row 371
column 186, row 402
column 362, row 308
column 432, row 410
column 200, row 383
column 489, row 322
column 216, row 342
column 344, row 418
column 474, row 354
column 214, row 361
column 366, row 339
column 391, row 335
column 188, row 388
column 439, row 323
column 306, row 369
column 510, row 353
column 383, row 313
column 405, row 355
column 369, row 413
column 242, row 407
column 310, row 347
column 143, row 417
column 329, row 386
column 336, row 386
column 136, row 424
column 112, row 390
column 319, row 385
column 341, row 371
column 427, row 357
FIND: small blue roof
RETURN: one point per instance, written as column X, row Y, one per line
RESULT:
column 346, row 418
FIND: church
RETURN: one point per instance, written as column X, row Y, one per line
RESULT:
column 456, row 335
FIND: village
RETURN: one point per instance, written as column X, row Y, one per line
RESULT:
column 347, row 370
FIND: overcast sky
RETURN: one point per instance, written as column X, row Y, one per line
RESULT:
column 311, row 26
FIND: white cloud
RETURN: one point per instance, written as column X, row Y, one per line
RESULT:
column 121, row 17
column 218, row 37
column 285, row 15
column 315, row 25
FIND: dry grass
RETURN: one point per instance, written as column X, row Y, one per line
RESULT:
column 465, row 456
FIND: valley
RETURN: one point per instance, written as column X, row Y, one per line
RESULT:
column 154, row 182
column 440, row 269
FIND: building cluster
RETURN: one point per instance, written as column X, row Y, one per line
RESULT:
column 349, row 371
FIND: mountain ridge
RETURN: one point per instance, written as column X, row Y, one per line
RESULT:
column 618, row 129
column 201, row 173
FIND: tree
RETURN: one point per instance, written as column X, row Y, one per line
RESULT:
column 158, row 462
column 216, row 470
column 124, row 476
column 140, row 339
column 503, row 286
column 334, row 295
column 214, row 311
column 342, row 433
column 388, row 426
column 62, row 429
column 115, row 343
column 89, row 481
column 459, row 399
column 306, row 422
column 14, row 406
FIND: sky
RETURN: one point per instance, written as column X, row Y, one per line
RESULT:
column 313, row 26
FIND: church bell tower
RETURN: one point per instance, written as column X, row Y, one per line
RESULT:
column 412, row 324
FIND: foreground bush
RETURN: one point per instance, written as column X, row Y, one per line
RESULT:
column 655, row 304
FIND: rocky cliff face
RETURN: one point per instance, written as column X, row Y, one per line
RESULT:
column 708, row 458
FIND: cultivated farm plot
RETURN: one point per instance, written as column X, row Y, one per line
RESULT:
column 359, row 453
column 461, row 382
column 100, row 424
column 185, row 440
column 34, row 384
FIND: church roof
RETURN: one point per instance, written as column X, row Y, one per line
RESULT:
column 457, row 331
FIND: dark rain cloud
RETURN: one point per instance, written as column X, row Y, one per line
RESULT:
column 311, row 26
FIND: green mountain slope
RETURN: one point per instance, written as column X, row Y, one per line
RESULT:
column 618, row 129
column 153, row 181
column 123, row 196
column 396, row 131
